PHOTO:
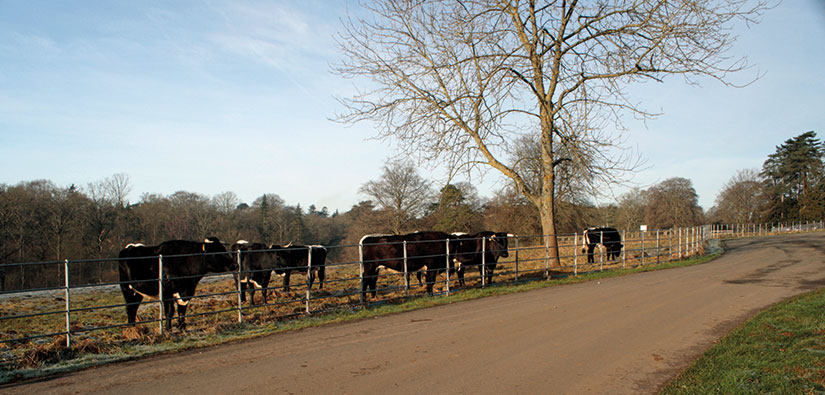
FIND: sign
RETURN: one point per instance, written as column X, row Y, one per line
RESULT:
column 643, row 228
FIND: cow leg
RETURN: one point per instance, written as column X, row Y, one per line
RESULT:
column 460, row 274
column 168, row 309
column 182, row 301
column 132, row 300
column 590, row 248
column 321, row 275
column 311, row 278
column 286, row 280
column 265, row 285
column 418, row 276
column 431, row 280
column 490, row 269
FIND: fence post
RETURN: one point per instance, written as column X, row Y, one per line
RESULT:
column 657, row 246
column 516, row 244
column 448, row 266
column 309, row 274
column 624, row 250
column 406, row 273
column 601, row 250
column 680, row 243
column 160, row 292
column 483, row 261
column 361, row 267
column 238, row 286
column 546, row 257
column 68, row 304
column 575, row 254
column 643, row 248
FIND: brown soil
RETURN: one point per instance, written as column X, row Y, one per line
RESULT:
column 629, row 334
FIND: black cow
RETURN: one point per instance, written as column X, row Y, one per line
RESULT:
column 138, row 267
column 471, row 248
column 608, row 237
column 294, row 258
column 424, row 250
column 257, row 263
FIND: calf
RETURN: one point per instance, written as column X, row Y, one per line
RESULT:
column 257, row 263
column 184, row 264
column 482, row 249
column 294, row 258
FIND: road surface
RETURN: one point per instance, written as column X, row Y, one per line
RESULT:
column 629, row 334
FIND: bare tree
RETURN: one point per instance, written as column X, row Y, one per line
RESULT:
column 740, row 198
column 673, row 202
column 460, row 81
column 117, row 188
column 401, row 191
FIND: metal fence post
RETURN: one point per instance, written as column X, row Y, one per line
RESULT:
column 601, row 250
column 309, row 276
column 406, row 273
column 483, row 261
column 575, row 254
column 516, row 244
column 643, row 248
column 68, row 304
column 680, row 243
column 238, row 286
column 546, row 257
column 624, row 250
column 657, row 246
column 160, row 293
column 448, row 266
column 361, row 271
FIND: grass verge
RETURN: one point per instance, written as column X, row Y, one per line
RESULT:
column 142, row 341
column 780, row 351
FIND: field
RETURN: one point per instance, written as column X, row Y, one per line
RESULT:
column 33, row 325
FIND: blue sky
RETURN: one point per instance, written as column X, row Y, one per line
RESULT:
column 236, row 96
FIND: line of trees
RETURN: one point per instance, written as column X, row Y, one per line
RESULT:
column 790, row 186
column 41, row 221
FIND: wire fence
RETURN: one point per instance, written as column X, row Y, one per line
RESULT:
column 83, row 310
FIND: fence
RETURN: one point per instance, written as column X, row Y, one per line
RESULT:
column 79, row 311
column 75, row 310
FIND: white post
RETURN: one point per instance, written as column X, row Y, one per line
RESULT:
column 309, row 273
column 361, row 266
column 516, row 244
column 680, row 243
column 406, row 273
column 624, row 250
column 68, row 305
column 160, row 292
column 601, row 250
column 483, row 261
column 546, row 257
column 240, row 292
column 448, row 266
column 576, row 254
column 657, row 246
column 643, row 247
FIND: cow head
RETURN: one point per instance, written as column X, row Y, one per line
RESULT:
column 496, row 243
column 218, row 259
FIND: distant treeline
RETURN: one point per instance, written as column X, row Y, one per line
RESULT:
column 40, row 221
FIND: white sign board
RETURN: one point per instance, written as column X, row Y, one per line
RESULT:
column 643, row 228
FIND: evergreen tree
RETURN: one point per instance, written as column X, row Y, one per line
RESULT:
column 790, row 173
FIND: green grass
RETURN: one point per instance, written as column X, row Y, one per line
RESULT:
column 781, row 351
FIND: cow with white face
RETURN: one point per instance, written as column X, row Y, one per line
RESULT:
column 184, row 264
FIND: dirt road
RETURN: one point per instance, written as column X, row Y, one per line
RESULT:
column 622, row 335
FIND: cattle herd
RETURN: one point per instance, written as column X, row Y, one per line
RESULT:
column 185, row 263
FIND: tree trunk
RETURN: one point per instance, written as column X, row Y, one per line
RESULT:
column 547, row 199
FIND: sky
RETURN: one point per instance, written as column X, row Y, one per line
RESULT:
column 216, row 96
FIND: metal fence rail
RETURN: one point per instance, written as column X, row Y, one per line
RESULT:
column 81, row 309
